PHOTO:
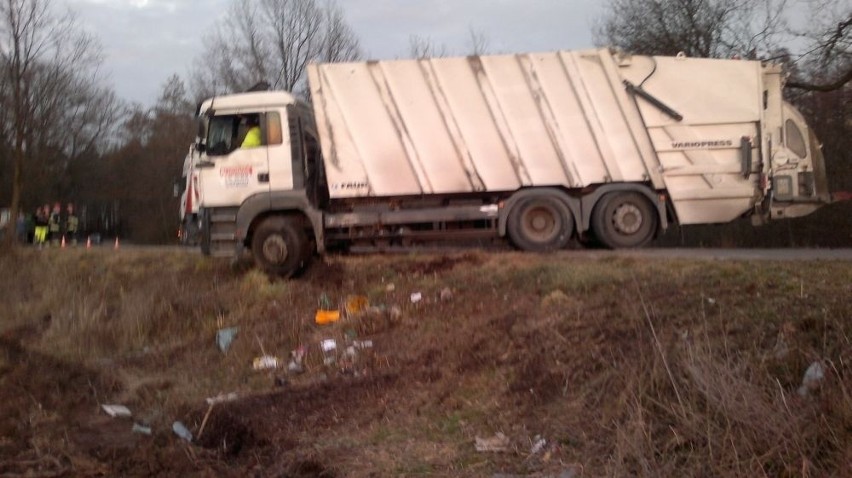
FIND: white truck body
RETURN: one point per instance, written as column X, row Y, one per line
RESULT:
column 500, row 123
column 538, row 146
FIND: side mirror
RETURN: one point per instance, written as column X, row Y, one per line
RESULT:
column 178, row 187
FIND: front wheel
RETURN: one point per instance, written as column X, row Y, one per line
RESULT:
column 280, row 246
column 540, row 223
column 624, row 220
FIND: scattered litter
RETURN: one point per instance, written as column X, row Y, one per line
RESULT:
column 181, row 431
column 390, row 287
column 117, row 411
column 538, row 445
column 348, row 360
column 711, row 301
column 416, row 297
column 395, row 313
column 297, row 358
column 325, row 317
column 224, row 337
column 497, row 444
column 329, row 351
column 363, row 344
column 356, row 304
column 814, row 375
column 141, row 429
column 222, row 398
column 446, row 294
column 265, row 362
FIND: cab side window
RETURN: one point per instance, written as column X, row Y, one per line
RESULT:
column 795, row 140
column 228, row 133
column 273, row 129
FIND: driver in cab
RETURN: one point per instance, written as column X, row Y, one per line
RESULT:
column 253, row 137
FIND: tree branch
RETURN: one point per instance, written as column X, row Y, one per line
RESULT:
column 836, row 85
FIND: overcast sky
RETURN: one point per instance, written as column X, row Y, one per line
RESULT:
column 146, row 41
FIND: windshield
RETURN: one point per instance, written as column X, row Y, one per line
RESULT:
column 221, row 134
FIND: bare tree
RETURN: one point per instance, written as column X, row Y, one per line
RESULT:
column 45, row 61
column 272, row 41
column 479, row 42
column 828, row 53
column 702, row 28
column 339, row 40
column 755, row 29
column 420, row 47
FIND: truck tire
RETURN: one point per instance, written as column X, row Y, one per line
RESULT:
column 280, row 246
column 540, row 223
column 624, row 220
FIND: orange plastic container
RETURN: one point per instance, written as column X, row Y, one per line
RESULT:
column 324, row 317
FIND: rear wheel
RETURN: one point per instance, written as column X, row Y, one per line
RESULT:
column 624, row 220
column 540, row 223
column 280, row 246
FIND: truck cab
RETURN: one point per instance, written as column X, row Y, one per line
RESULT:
column 242, row 184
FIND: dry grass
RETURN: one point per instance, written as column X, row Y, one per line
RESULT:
column 626, row 367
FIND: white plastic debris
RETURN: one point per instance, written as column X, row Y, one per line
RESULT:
column 297, row 358
column 363, row 344
column 266, row 362
column 416, row 297
column 497, row 444
column 141, row 429
column 222, row 398
column 117, row 411
column 814, row 375
column 329, row 351
column 538, row 445
column 224, row 337
column 328, row 345
column 181, row 431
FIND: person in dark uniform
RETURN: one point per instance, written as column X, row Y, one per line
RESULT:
column 54, row 225
column 71, row 224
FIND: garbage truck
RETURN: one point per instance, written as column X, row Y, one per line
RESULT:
column 539, row 148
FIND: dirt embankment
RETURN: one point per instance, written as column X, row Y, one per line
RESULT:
column 596, row 367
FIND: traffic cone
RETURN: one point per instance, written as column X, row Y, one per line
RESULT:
column 116, row 243
column 88, row 242
column 63, row 242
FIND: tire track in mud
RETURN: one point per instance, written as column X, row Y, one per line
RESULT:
column 49, row 422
